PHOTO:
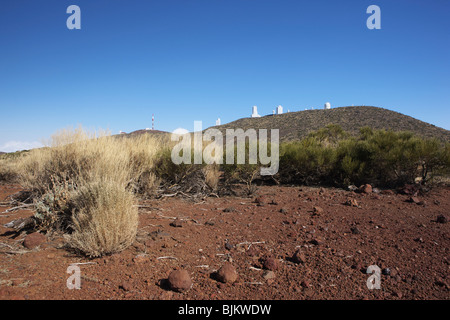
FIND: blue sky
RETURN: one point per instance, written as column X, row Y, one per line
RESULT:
column 203, row 59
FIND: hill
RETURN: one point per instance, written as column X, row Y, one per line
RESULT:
column 296, row 125
column 154, row 133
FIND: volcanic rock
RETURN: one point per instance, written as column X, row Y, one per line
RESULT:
column 299, row 257
column 177, row 223
column 270, row 264
column 316, row 241
column 351, row 203
column 126, row 286
column 305, row 284
column 140, row 258
column 34, row 240
column 227, row 273
column 366, row 188
column 317, row 210
column 413, row 200
column 386, row 271
column 409, row 189
column 268, row 275
column 441, row 219
column 179, row 280
column 228, row 246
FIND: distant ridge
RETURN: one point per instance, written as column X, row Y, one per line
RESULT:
column 155, row 133
column 297, row 125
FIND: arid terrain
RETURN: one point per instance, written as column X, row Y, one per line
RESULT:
column 339, row 234
column 297, row 125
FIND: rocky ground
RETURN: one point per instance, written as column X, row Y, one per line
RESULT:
column 284, row 243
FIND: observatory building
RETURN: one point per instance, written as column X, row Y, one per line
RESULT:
column 279, row 110
column 327, row 106
column 255, row 112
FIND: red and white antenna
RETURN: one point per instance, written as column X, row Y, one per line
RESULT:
column 153, row 122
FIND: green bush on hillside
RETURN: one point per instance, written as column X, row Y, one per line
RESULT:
column 385, row 158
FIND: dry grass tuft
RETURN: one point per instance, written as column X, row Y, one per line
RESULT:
column 8, row 167
column 85, row 185
column 106, row 219
column 79, row 157
column 7, row 171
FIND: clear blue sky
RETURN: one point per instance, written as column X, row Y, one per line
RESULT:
column 203, row 59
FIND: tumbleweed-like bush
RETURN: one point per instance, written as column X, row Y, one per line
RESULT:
column 105, row 220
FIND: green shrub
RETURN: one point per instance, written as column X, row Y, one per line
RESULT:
column 331, row 134
column 309, row 161
column 380, row 157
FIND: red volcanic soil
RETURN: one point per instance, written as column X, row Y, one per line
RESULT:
column 338, row 234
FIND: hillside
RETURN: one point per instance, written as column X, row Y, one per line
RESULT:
column 155, row 133
column 296, row 125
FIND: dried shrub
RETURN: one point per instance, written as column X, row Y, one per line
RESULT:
column 84, row 186
column 78, row 156
column 54, row 208
column 105, row 219
column 243, row 173
column 8, row 166
column 7, row 172
column 212, row 176
column 185, row 178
